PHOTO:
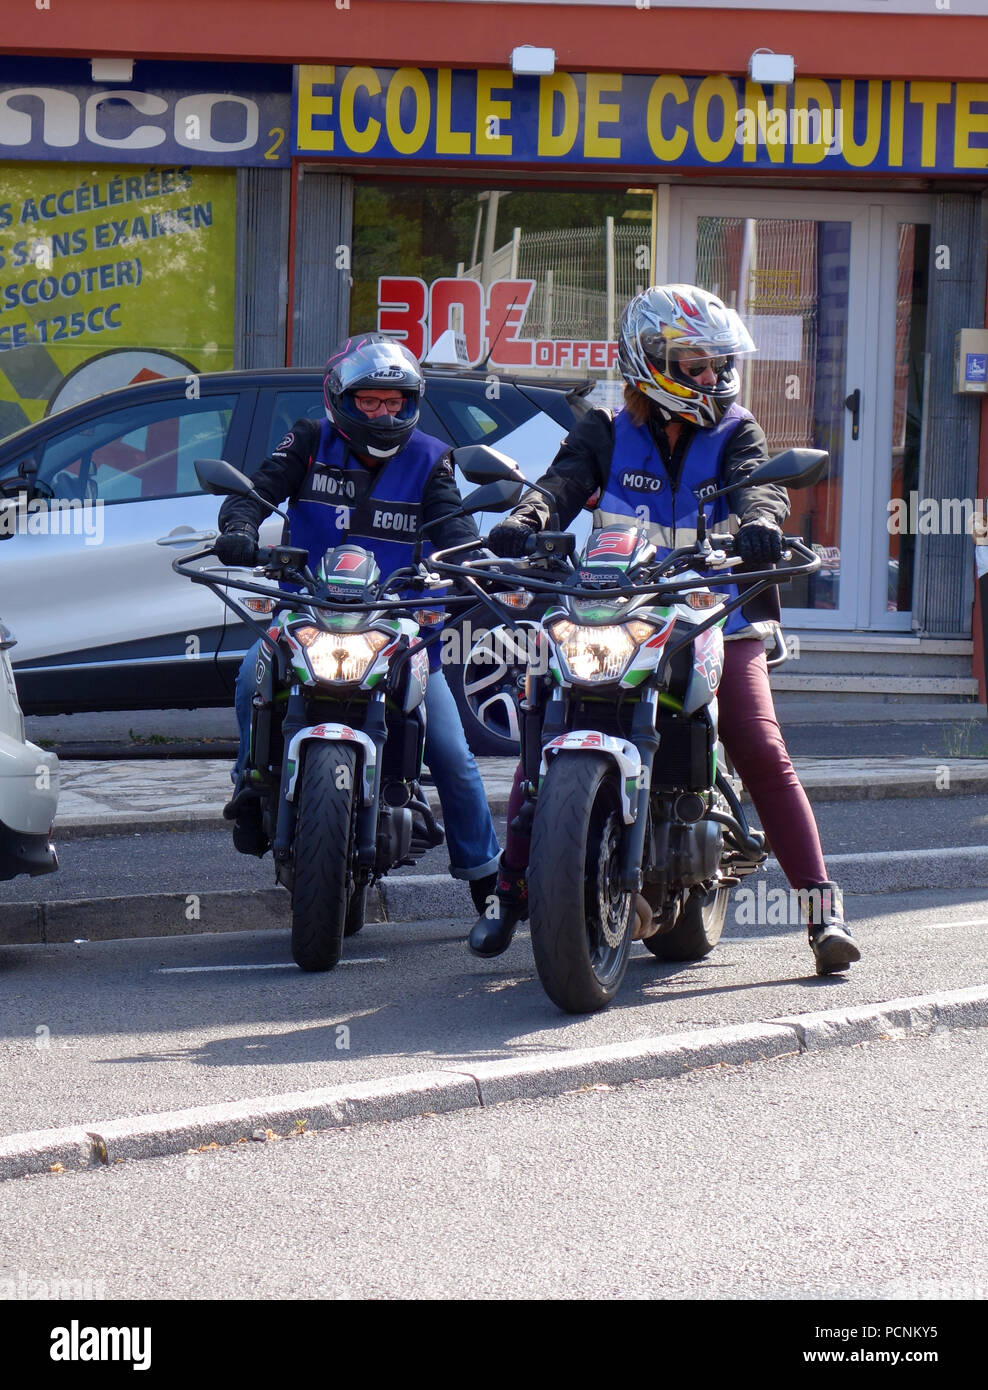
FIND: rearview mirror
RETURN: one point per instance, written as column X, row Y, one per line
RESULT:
column 222, row 479
column 495, row 497
column 479, row 463
column 792, row 468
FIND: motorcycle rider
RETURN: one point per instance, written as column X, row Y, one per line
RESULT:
column 682, row 431
column 367, row 474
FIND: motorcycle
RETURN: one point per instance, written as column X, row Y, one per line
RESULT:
column 637, row 829
column 338, row 716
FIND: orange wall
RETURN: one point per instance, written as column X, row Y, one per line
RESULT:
column 386, row 32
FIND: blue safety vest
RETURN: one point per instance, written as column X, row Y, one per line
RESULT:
column 638, row 480
column 332, row 508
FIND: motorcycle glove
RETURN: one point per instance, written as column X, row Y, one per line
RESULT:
column 759, row 543
column 510, row 538
column 238, row 546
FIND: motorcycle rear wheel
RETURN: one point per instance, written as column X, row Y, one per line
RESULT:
column 698, row 928
column 323, row 842
column 581, row 921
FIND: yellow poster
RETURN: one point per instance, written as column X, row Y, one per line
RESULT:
column 109, row 275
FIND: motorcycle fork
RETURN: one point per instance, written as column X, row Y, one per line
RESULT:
column 376, row 728
column 295, row 719
column 646, row 740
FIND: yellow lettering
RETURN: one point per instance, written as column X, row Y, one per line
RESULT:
column 599, row 112
column 715, row 151
column 559, row 84
column 897, row 102
column 408, row 80
column 671, row 149
column 968, row 123
column 929, row 95
column 448, row 140
column 863, row 155
column 754, row 102
column 805, row 90
column 309, row 105
column 356, row 140
column 489, row 79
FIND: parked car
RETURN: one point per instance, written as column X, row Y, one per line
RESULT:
column 104, row 622
column 28, row 785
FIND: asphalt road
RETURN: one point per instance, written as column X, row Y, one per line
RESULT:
column 848, row 1174
column 107, row 1029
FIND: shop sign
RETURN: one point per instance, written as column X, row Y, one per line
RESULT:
column 419, row 314
column 182, row 121
column 634, row 121
column 111, row 264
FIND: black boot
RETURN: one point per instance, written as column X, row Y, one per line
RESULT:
column 248, row 827
column 502, row 906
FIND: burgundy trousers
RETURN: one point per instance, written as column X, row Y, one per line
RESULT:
column 749, row 731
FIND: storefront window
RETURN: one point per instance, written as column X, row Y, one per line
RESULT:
column 907, row 405
column 543, row 275
column 788, row 279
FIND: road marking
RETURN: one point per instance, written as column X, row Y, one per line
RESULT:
column 942, row 926
column 280, row 965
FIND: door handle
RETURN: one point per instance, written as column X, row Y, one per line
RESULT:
column 187, row 537
column 853, row 404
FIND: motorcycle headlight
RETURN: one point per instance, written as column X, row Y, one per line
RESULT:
column 599, row 653
column 340, row 656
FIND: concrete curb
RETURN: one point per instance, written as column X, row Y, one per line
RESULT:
column 419, row 898
column 822, row 778
column 487, row 1083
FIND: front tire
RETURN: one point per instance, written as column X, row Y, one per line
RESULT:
column 698, row 928
column 323, row 840
column 581, row 921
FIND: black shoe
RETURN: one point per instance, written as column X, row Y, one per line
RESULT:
column 501, row 909
column 833, row 947
column 249, row 836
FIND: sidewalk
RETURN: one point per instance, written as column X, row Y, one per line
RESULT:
column 121, row 797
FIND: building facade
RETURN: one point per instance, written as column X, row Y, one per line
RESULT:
column 305, row 169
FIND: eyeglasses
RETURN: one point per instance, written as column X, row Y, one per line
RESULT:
column 696, row 369
column 370, row 405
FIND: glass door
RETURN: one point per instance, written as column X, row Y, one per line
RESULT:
column 796, row 270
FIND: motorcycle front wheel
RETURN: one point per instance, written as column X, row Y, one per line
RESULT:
column 581, row 921
column 323, row 842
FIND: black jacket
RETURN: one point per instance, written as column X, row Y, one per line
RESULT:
column 282, row 474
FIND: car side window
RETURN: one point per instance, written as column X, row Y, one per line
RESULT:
column 290, row 406
column 473, row 412
column 145, row 451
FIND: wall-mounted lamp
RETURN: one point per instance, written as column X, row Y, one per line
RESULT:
column 766, row 66
column 529, row 61
column 112, row 69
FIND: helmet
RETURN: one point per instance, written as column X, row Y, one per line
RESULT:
column 372, row 362
column 666, row 322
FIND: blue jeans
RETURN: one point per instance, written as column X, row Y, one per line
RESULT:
column 470, row 834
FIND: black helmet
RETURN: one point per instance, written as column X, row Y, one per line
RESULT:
column 372, row 362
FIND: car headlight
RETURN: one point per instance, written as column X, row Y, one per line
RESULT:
column 598, row 653
column 340, row 656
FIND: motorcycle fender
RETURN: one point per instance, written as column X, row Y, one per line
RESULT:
column 625, row 754
column 334, row 733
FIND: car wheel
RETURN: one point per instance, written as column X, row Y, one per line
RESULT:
column 485, row 687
